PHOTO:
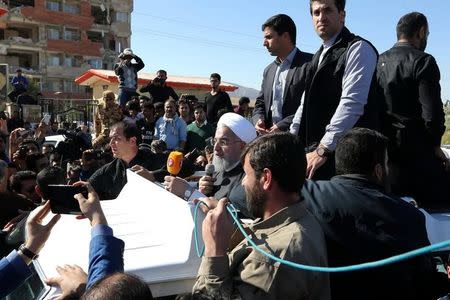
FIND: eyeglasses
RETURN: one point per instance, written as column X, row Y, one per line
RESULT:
column 224, row 142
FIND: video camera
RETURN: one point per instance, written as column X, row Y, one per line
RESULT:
column 73, row 145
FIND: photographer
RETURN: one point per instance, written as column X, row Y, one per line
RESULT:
column 126, row 72
column 158, row 89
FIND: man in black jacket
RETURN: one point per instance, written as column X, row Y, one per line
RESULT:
column 363, row 223
column 109, row 180
column 339, row 88
column 281, row 87
column 158, row 89
column 408, row 79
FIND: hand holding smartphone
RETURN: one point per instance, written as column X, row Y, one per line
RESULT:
column 62, row 200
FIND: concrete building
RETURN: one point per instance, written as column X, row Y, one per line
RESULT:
column 54, row 41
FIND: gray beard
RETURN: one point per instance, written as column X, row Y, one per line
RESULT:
column 222, row 164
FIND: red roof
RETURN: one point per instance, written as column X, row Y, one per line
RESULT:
column 180, row 82
column 3, row 11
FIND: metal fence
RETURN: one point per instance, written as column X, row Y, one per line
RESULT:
column 72, row 111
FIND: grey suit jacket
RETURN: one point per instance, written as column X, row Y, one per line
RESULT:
column 292, row 92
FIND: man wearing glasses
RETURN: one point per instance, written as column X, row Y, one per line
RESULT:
column 232, row 134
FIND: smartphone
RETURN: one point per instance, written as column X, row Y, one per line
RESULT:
column 62, row 200
column 46, row 119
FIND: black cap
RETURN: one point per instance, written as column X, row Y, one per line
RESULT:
column 19, row 70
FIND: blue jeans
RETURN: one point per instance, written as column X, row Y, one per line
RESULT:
column 125, row 95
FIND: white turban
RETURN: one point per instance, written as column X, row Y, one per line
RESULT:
column 240, row 126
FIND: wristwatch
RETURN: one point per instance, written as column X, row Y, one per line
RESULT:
column 322, row 151
column 27, row 252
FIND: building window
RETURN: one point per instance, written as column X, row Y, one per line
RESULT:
column 53, row 5
column 70, row 87
column 54, row 60
column 122, row 17
column 69, row 61
column 71, row 34
column 53, row 33
column 95, row 63
column 54, row 85
column 71, row 8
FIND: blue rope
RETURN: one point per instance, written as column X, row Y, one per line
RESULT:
column 369, row 265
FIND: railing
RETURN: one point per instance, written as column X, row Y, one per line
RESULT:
column 30, row 71
column 18, row 3
column 79, row 111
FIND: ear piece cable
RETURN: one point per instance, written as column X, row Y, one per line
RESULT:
column 363, row 266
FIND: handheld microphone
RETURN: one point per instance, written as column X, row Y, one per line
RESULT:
column 209, row 170
column 174, row 162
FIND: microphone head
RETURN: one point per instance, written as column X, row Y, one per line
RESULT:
column 209, row 170
column 174, row 162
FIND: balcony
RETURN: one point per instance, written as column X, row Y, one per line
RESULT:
column 26, row 71
column 19, row 3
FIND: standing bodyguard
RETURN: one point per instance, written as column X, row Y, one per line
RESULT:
column 281, row 88
column 339, row 89
column 408, row 80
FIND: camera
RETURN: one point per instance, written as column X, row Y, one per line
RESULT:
column 23, row 150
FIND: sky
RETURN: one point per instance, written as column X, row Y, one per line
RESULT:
column 200, row 37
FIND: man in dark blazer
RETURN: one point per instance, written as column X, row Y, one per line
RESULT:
column 281, row 89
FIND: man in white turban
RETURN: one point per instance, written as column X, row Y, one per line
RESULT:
column 232, row 134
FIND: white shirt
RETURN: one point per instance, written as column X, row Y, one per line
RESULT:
column 361, row 61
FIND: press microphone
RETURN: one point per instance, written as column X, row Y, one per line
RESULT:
column 209, row 170
column 174, row 162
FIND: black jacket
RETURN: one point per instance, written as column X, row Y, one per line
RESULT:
column 324, row 89
column 292, row 93
column 361, row 224
column 109, row 180
column 159, row 93
column 408, row 80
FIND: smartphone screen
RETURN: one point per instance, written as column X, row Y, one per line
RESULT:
column 62, row 200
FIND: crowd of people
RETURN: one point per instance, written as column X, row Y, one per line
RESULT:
column 334, row 141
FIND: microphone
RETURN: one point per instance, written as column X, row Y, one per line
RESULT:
column 174, row 162
column 209, row 170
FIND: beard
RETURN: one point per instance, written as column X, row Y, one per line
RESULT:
column 256, row 200
column 222, row 164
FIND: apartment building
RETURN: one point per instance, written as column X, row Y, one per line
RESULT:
column 55, row 41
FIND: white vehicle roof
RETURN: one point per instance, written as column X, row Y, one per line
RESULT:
column 156, row 226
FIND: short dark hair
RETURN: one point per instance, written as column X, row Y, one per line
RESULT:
column 133, row 105
column 159, row 105
column 410, row 24
column 282, row 23
column 129, row 130
column 244, row 100
column 216, row 76
column 283, row 154
column 199, row 106
column 162, row 71
column 50, row 175
column 19, row 177
column 148, row 105
column 340, row 5
column 359, row 151
column 145, row 98
column 118, row 286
